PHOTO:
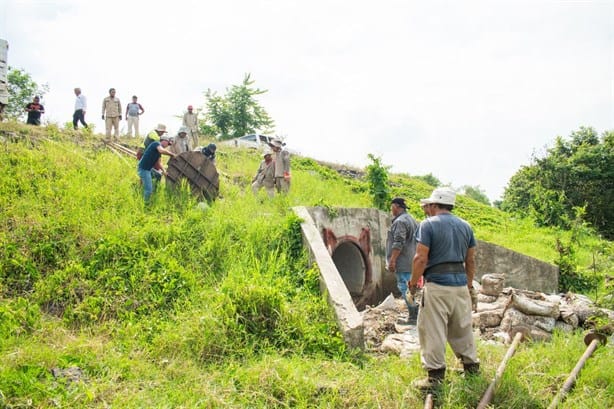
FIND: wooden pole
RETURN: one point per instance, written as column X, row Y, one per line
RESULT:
column 593, row 341
column 490, row 392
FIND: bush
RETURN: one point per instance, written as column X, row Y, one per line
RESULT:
column 18, row 316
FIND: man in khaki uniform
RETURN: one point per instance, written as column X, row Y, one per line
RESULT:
column 190, row 121
column 111, row 114
column 265, row 176
column 282, row 166
column 445, row 256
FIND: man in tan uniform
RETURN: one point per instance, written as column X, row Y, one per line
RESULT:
column 111, row 114
column 190, row 121
column 282, row 166
column 265, row 176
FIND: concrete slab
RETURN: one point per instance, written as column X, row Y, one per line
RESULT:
column 349, row 319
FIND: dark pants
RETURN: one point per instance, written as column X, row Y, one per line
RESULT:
column 78, row 116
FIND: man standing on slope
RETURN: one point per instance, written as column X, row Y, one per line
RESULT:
column 400, row 250
column 265, row 175
column 150, row 157
column 80, row 109
column 282, row 166
column 133, row 110
column 111, row 114
column 35, row 109
column 445, row 255
column 190, row 121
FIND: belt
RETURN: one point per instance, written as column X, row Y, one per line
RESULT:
column 446, row 268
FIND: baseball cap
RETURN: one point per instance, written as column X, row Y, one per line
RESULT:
column 399, row 201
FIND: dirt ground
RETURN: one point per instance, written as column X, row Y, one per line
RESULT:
column 386, row 329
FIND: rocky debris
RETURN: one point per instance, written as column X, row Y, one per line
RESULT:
column 386, row 329
column 540, row 313
column 492, row 284
column 70, row 374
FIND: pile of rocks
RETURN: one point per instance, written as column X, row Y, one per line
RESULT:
column 501, row 309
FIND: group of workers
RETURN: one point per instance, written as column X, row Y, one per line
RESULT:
column 440, row 252
column 273, row 173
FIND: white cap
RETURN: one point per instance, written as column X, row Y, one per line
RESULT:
column 443, row 195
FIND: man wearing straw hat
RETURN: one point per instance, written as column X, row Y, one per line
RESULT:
column 445, row 256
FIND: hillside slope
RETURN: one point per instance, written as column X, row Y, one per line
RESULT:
column 106, row 303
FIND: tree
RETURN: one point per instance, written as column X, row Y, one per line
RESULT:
column 477, row 194
column 237, row 113
column 22, row 89
column 577, row 172
column 430, row 179
column 377, row 175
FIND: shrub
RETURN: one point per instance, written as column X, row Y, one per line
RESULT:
column 18, row 316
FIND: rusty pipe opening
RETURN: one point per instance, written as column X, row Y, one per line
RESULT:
column 352, row 266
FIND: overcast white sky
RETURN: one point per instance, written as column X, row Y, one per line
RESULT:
column 465, row 90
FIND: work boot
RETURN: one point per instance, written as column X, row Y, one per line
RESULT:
column 434, row 379
column 472, row 369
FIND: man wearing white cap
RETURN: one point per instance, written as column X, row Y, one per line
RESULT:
column 445, row 256
column 265, row 176
column 182, row 142
column 151, row 137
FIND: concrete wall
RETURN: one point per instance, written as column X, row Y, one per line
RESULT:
column 520, row 271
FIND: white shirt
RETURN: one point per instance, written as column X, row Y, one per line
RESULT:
column 81, row 102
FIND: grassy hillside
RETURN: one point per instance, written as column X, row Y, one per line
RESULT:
column 107, row 303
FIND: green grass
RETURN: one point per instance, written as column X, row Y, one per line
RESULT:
column 179, row 305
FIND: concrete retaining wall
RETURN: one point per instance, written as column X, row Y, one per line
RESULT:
column 520, row 271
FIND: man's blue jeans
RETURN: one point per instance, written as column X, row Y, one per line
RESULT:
column 145, row 176
column 402, row 280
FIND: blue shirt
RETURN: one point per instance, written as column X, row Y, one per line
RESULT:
column 150, row 156
column 448, row 238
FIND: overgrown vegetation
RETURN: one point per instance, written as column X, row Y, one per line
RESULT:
column 181, row 305
column 576, row 172
column 377, row 175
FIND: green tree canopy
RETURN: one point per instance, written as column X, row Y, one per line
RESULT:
column 477, row 194
column 576, row 172
column 236, row 113
column 430, row 179
column 22, row 89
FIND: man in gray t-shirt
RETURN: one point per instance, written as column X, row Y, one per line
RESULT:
column 400, row 250
column 445, row 256
column 133, row 111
